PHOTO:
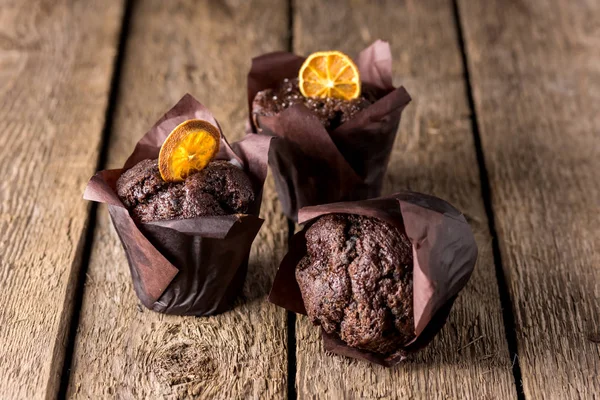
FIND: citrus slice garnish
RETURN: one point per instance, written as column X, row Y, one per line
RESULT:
column 188, row 148
column 329, row 74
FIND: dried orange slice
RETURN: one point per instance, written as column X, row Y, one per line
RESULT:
column 188, row 148
column 329, row 74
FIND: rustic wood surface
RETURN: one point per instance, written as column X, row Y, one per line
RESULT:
column 56, row 61
column 123, row 350
column 434, row 153
column 535, row 72
column 526, row 151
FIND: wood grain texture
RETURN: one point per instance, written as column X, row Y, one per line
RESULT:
column 535, row 71
column 56, row 62
column 434, row 153
column 123, row 350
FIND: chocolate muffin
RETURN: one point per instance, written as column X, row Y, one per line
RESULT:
column 356, row 282
column 219, row 189
column 331, row 112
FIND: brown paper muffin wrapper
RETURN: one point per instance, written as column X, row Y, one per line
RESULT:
column 444, row 253
column 312, row 166
column 193, row 266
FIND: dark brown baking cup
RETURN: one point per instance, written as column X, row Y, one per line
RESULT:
column 193, row 266
column 444, row 253
column 312, row 166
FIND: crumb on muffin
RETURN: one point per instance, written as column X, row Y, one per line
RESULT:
column 219, row 189
column 356, row 282
column 330, row 111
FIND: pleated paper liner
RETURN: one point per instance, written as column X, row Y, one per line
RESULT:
column 193, row 266
column 444, row 254
column 312, row 166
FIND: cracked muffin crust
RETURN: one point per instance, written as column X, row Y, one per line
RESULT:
column 330, row 111
column 219, row 189
column 356, row 281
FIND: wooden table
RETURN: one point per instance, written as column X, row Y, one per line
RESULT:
column 505, row 124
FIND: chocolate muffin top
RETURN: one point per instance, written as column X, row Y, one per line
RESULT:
column 356, row 282
column 219, row 189
column 331, row 112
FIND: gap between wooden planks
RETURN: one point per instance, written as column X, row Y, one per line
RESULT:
column 535, row 73
column 56, row 66
column 123, row 350
column 434, row 153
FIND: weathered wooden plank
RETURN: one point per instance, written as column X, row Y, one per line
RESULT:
column 122, row 349
column 535, row 71
column 56, row 63
column 433, row 153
